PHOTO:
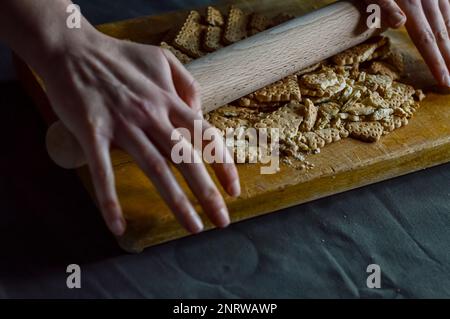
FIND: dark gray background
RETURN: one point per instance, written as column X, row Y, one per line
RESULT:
column 320, row 249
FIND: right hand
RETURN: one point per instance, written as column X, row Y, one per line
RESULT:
column 108, row 91
column 428, row 24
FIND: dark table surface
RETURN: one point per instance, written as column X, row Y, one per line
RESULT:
column 320, row 249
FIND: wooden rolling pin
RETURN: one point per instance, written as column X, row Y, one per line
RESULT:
column 246, row 66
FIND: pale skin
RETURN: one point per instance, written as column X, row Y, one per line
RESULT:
column 110, row 92
column 428, row 24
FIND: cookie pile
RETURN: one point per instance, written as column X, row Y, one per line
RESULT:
column 201, row 35
column 354, row 94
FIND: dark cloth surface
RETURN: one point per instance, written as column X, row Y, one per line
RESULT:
column 320, row 249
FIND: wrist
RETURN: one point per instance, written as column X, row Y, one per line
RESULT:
column 49, row 49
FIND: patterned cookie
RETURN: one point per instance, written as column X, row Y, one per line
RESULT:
column 360, row 109
column 388, row 124
column 381, row 114
column 400, row 112
column 223, row 123
column 400, row 122
column 282, row 91
column 379, row 67
column 409, row 108
column 398, row 94
column 258, row 23
column 419, row 95
column 320, row 80
column 380, row 83
column 352, row 100
column 213, row 36
column 230, row 111
column 403, row 89
column 236, row 26
column 247, row 102
column 331, row 108
column 359, row 53
column 375, row 100
column 314, row 141
column 185, row 59
column 383, row 51
column 309, row 69
column 189, row 39
column 327, row 93
column 365, row 131
column 310, row 113
column 214, row 17
column 329, row 135
column 287, row 119
column 396, row 100
column 323, row 121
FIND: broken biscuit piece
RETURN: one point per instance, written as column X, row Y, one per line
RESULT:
column 323, row 84
column 419, row 95
column 360, row 109
column 232, row 117
column 287, row 119
column 381, row 113
column 309, row 69
column 383, row 51
column 189, row 39
column 214, row 17
column 183, row 58
column 321, row 80
column 380, row 83
column 359, row 53
column 329, row 135
column 284, row 90
column 213, row 36
column 331, row 108
column 365, row 131
column 258, row 23
column 310, row 113
column 383, row 68
column 236, row 26
column 314, row 141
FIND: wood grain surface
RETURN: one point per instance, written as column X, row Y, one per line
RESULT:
column 342, row 166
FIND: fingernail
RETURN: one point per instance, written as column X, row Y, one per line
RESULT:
column 398, row 19
column 197, row 226
column 446, row 80
column 117, row 227
column 235, row 189
column 224, row 218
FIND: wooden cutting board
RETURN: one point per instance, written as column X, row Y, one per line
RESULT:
column 342, row 166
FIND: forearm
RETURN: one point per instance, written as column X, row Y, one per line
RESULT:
column 37, row 30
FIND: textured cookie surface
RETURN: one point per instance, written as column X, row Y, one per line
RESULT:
column 214, row 17
column 236, row 26
column 189, row 39
column 282, row 91
column 213, row 36
column 185, row 59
